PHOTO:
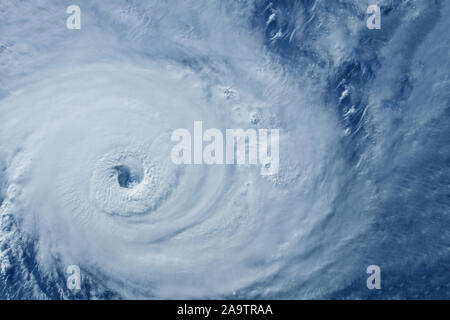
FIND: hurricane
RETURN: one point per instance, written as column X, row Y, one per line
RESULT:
column 86, row 176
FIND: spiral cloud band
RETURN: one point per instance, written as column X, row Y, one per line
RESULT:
column 87, row 179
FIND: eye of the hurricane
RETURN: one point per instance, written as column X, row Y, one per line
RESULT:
column 129, row 173
column 127, row 178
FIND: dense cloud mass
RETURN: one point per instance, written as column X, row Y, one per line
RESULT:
column 86, row 177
